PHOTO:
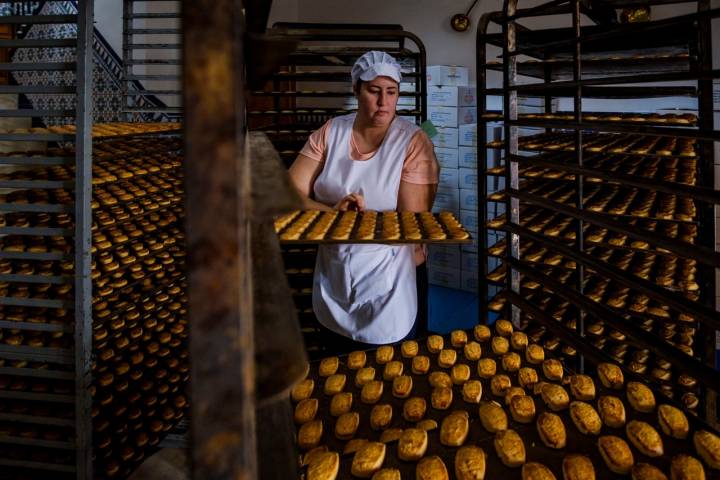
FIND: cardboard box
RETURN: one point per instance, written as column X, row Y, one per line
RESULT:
column 447, row 157
column 467, row 157
column 446, row 138
column 467, row 178
column 448, row 96
column 468, row 199
column 469, row 262
column 469, row 219
column 448, row 75
column 469, row 281
column 444, row 257
column 467, row 135
column 443, row 117
column 448, row 178
column 447, row 199
column 467, row 115
column 444, row 277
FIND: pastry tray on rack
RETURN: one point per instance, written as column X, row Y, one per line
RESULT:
column 311, row 226
column 536, row 451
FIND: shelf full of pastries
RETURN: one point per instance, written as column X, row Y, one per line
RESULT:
column 487, row 403
column 139, row 361
column 369, row 226
column 99, row 131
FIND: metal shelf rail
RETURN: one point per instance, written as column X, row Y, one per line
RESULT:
column 603, row 222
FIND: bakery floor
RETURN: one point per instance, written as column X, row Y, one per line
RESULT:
column 450, row 309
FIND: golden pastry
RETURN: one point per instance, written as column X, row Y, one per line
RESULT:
column 527, row 377
column 334, row 384
column 346, row 425
column 472, row 391
column 409, row 348
column 384, row 354
column 454, row 428
column 356, row 360
column 341, row 403
column 585, row 418
column 428, row 424
column 610, row 375
column 371, row 391
column 500, row 345
column 441, row 398
column 368, row 459
column 645, row 471
column 551, row 429
column 673, row 421
column 536, row 471
column 440, row 379
column 616, row 453
column 420, row 365
column 306, row 410
column 431, row 468
column 309, row 435
column 510, row 448
column 707, row 445
column 499, row 385
column 492, row 417
column 324, row 466
column 555, row 397
column 612, row 411
column 522, row 408
column 534, row 354
column 472, row 351
column 412, row 444
column 313, row 454
column 553, row 369
column 387, row 474
column 392, row 369
column 364, row 375
column 460, row 374
column 458, row 338
column 302, row 390
column 519, row 341
column 470, row 463
column 645, row 438
column 381, row 416
column 582, row 387
column 685, row 467
column 513, row 392
column 402, row 386
column 391, row 435
column 482, row 333
column 503, row 328
column 328, row 366
column 640, row 397
column 414, row 409
column 511, row 362
column 435, row 343
column 353, row 445
column 447, row 358
column 577, row 467
column 486, row 367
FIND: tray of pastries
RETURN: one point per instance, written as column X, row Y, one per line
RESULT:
column 489, row 403
column 313, row 226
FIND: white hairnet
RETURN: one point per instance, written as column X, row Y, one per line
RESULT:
column 375, row 64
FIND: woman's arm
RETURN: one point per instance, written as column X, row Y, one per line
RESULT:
column 303, row 173
column 413, row 197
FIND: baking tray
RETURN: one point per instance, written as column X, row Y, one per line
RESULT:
column 535, row 449
column 377, row 237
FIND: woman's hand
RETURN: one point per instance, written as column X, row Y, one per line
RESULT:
column 353, row 201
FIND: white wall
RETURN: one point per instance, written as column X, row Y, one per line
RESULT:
column 108, row 19
column 284, row 11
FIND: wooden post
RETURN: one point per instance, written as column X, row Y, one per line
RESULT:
column 218, row 232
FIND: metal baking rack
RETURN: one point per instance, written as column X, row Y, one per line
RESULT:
column 555, row 158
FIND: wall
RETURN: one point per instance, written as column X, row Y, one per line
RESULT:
column 108, row 19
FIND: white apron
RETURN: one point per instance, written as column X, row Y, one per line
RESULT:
column 365, row 292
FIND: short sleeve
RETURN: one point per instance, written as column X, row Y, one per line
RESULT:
column 421, row 166
column 316, row 145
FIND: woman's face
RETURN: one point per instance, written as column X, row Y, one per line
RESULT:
column 377, row 99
